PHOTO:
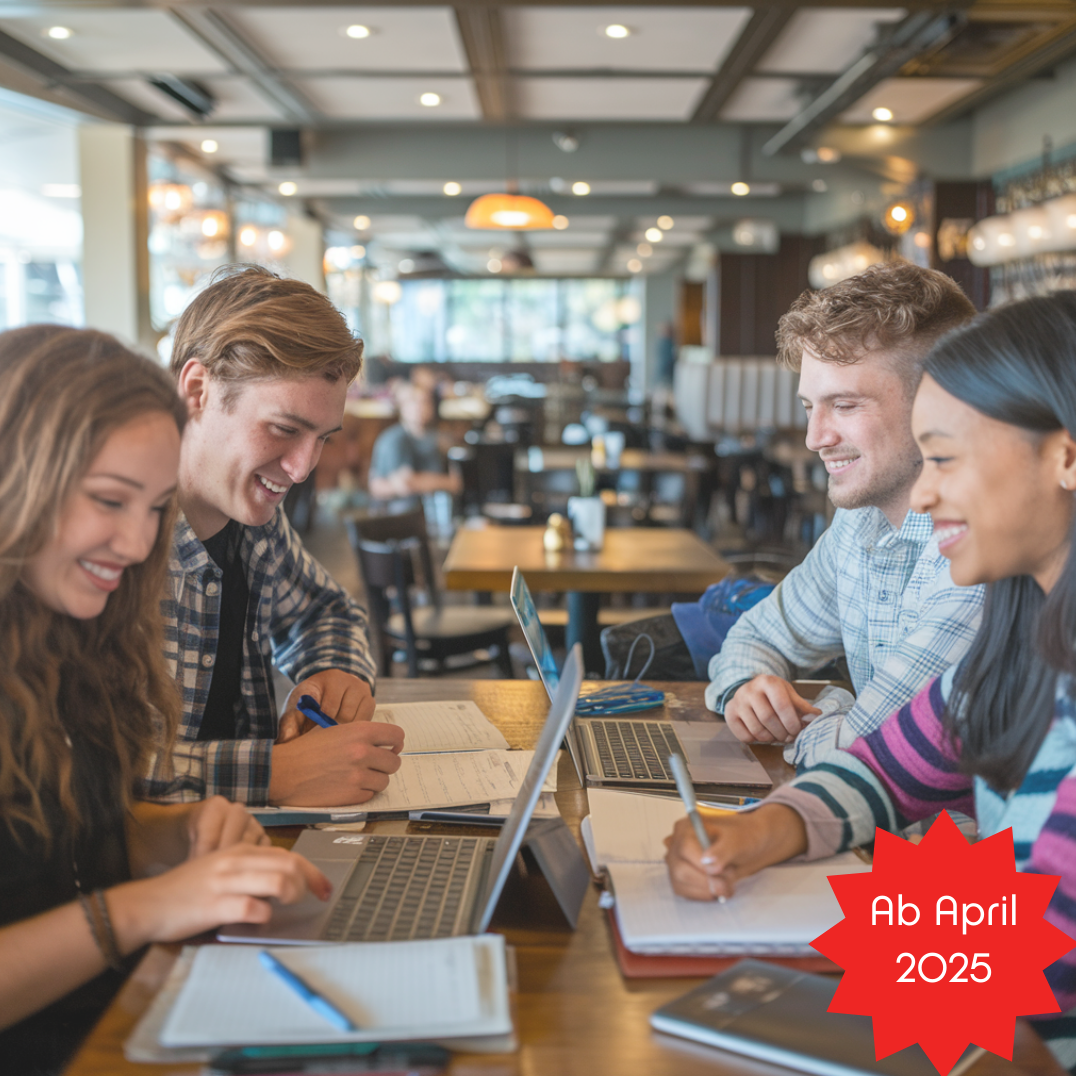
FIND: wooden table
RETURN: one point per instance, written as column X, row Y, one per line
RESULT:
column 647, row 559
column 575, row 1015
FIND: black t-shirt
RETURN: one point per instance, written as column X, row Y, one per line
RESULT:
column 36, row 877
column 219, row 716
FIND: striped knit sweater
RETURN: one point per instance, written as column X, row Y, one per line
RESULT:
column 908, row 769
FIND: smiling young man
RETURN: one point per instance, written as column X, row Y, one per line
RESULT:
column 874, row 590
column 263, row 365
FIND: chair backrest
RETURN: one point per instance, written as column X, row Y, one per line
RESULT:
column 408, row 531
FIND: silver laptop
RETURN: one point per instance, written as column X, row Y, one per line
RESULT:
column 634, row 752
column 390, row 888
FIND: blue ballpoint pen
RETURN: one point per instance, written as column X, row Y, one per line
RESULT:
column 321, row 1005
column 308, row 707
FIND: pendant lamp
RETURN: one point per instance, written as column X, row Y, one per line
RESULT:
column 512, row 211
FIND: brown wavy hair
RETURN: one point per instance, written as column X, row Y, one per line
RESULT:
column 251, row 324
column 63, row 392
column 897, row 306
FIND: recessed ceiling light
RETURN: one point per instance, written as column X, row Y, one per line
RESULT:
column 883, row 115
column 210, row 145
column 248, row 236
column 452, row 189
column 654, row 235
column 644, row 250
column 580, row 188
column 406, row 266
column 617, row 30
column 357, row 31
column 560, row 222
column 635, row 266
column 287, row 188
column 276, row 240
column 828, row 155
column 430, row 100
column 740, row 189
column 59, row 33
column 361, row 222
column 494, row 265
column 358, row 251
column 665, row 222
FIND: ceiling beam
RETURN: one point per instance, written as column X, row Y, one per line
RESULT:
column 482, row 32
column 911, row 36
column 97, row 99
column 758, row 35
column 221, row 38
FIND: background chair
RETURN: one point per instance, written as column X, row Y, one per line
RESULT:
column 386, row 548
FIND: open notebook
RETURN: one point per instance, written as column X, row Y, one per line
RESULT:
column 776, row 912
column 437, row 989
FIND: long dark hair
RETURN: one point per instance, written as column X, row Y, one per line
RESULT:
column 1016, row 365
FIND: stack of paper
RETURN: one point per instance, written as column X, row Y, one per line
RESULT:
column 441, row 989
column 775, row 912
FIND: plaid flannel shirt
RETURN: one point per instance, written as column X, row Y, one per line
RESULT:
column 298, row 619
column 879, row 596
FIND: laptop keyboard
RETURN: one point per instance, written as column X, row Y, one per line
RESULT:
column 635, row 749
column 403, row 887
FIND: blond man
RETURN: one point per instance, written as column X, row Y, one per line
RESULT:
column 263, row 365
column 874, row 589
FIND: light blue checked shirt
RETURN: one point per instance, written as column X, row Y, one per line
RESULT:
column 298, row 619
column 880, row 597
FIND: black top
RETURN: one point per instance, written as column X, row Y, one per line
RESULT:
column 219, row 716
column 35, row 877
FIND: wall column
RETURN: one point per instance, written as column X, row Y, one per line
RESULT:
column 115, row 219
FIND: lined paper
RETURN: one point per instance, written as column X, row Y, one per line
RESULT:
column 442, row 726
column 443, row 988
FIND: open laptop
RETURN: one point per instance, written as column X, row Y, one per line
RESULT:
column 391, row 888
column 634, row 752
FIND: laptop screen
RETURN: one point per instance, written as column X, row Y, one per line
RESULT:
column 511, row 836
column 533, row 632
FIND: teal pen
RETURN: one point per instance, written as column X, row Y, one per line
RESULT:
column 321, row 1005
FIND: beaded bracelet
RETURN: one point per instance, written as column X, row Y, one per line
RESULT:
column 96, row 912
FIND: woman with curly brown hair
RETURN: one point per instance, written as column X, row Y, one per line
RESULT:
column 89, row 453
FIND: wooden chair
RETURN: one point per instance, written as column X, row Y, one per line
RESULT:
column 386, row 548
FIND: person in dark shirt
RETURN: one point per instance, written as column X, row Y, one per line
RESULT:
column 407, row 459
column 262, row 364
column 90, row 439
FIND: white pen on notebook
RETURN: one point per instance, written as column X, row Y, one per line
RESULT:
column 687, row 794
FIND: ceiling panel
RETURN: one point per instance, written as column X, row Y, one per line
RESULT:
column 391, row 98
column 680, row 223
column 237, row 146
column 141, row 93
column 911, row 100
column 763, row 100
column 661, row 38
column 566, row 239
column 723, row 190
column 119, row 41
column 401, row 39
column 607, row 99
column 238, row 99
column 565, row 261
column 826, row 40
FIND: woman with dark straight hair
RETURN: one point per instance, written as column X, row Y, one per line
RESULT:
column 995, row 736
column 89, row 453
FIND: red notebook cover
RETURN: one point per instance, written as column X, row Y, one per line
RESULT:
column 645, row 966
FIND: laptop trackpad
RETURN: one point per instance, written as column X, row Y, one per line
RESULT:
column 715, row 756
column 302, row 922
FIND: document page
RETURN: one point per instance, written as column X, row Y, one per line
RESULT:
column 446, row 780
column 630, row 828
column 442, row 726
column 777, row 911
column 445, row 988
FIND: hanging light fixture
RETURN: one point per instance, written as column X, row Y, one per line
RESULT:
column 509, row 209
column 516, row 211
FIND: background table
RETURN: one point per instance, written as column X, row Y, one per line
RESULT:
column 575, row 1015
column 633, row 559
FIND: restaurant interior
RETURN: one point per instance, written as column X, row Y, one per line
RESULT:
column 572, row 226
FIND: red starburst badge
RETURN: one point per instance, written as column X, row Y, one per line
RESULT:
column 944, row 944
